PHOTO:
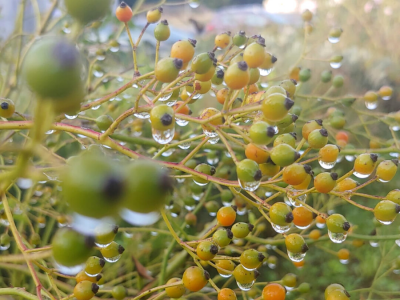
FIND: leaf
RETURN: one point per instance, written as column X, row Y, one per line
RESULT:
column 142, row 271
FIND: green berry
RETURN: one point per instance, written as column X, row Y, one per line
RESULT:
column 241, row 230
column 223, row 237
column 336, row 223
column 284, row 155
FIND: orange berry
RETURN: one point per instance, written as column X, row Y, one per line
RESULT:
column 329, row 153
column 226, row 294
column 296, row 173
column 310, row 126
column 325, row 182
column 252, row 89
column 274, row 291
column 320, row 220
column 226, row 216
column 346, row 184
column 254, row 54
column 124, row 12
column 256, row 153
column 299, row 264
column 183, row 50
column 223, row 40
column 294, row 73
column 343, row 254
column 315, row 234
column 221, row 95
column 195, row 278
column 302, row 217
column 342, row 135
column 181, row 109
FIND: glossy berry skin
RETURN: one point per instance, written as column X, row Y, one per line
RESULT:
column 318, row 138
column 118, row 292
column 386, row 211
column 7, row 108
column 343, row 254
column 254, row 77
column 176, row 291
column 269, row 169
column 286, row 138
column 183, row 50
column 240, row 230
column 329, row 153
column 206, row 76
column 223, row 40
column 306, row 182
column 295, row 173
column 365, row 163
column 104, row 121
column 124, row 12
column 244, row 276
column 289, row 280
column 223, row 237
column 82, row 276
column 314, row 234
column 239, row 39
column 94, row 265
column 284, row 155
column 226, row 294
column 338, row 294
column 276, row 106
column 225, row 264
column 295, row 243
column 206, row 250
column 385, row 91
column 387, row 169
column 268, row 62
column 302, row 217
column 205, row 169
column 290, row 86
column 162, row 31
column 202, row 62
column 154, row 15
column 254, row 54
column 261, row 133
column 248, row 171
column 237, row 76
column 370, row 96
column 226, row 216
column 346, row 185
column 181, row 109
column 85, row 290
column 70, row 248
column 311, row 126
column 87, row 11
column 208, row 113
column 281, row 214
column 335, row 32
column 325, row 182
column 289, row 119
column 112, row 250
column 167, row 69
column 251, row 259
column 147, row 192
column 258, row 154
column 52, row 68
column 394, row 196
column 200, row 87
column 332, row 287
column 194, row 279
column 93, row 186
column 336, row 223
column 162, row 117
column 274, row 291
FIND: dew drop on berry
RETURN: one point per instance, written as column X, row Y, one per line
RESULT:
column 265, row 72
column 163, row 136
column 139, row 219
column 245, row 286
column 296, row 256
column 337, row 238
column 281, row 229
column 326, row 165
column 185, row 145
column 359, row 175
column 142, row 115
column 333, row 40
column 371, row 105
column 335, row 65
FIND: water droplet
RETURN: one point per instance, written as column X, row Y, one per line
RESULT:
column 100, row 57
column 213, row 141
column 184, row 146
column 381, row 180
column 87, row 225
column 344, row 261
column 114, row 49
column 374, row 244
column 288, row 288
column 154, row 233
column 359, row 175
column 398, row 243
column 268, row 194
column 165, row 97
column 299, row 256
column 320, row 225
column 333, row 40
column 194, row 4
column 112, row 259
column 395, row 128
column 189, row 207
column 24, row 183
column 386, row 98
column 386, row 222
column 302, row 227
column 335, row 65
column 271, row 266
column 91, row 275
column 337, row 237
column 68, row 270
column 168, row 152
column 250, row 186
column 195, row 97
column 394, row 154
column 212, row 161
column 371, row 105
column 4, row 222
column 66, row 30
column 197, row 197
column 181, row 122
column 142, row 115
column 200, row 183
column 50, row 131
column 241, row 211
column 180, row 180
column 42, row 225
column 264, row 84
column 350, row 157
column 245, row 286
column 224, row 275
column 71, row 117
column 326, row 165
column 139, row 219
column 163, row 136
column 281, row 229
column 212, row 214
column 4, row 247
column 265, row 72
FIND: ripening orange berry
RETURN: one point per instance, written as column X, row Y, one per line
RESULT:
column 294, row 73
column 299, row 264
column 226, row 294
column 226, row 216
column 342, row 135
column 221, row 95
column 302, row 217
column 252, row 88
column 329, row 153
column 325, row 182
column 256, row 153
column 311, row 126
column 154, row 15
column 195, row 278
column 223, row 40
column 254, row 54
column 296, row 173
column 387, row 169
column 365, row 163
column 274, row 291
column 183, row 50
column 124, row 12
column 315, row 234
column 320, row 220
column 181, row 109
column 343, row 254
column 346, row 184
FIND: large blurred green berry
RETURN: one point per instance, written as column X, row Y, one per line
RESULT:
column 304, row 75
column 338, row 81
column 88, row 10
column 326, row 76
